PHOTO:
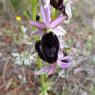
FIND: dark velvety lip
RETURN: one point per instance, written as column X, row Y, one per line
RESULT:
column 48, row 47
column 58, row 4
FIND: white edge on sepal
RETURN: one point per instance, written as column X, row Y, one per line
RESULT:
column 68, row 11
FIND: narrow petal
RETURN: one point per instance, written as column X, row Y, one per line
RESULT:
column 63, row 65
column 57, row 21
column 53, row 69
column 43, row 12
column 47, row 9
column 39, row 25
column 48, row 69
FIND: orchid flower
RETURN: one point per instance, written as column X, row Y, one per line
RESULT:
column 48, row 50
column 47, row 22
column 48, row 47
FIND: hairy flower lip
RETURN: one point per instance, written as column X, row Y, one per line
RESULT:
column 48, row 47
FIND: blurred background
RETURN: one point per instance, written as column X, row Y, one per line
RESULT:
column 18, row 58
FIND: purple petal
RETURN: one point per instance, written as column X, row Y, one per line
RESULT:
column 47, row 10
column 57, row 21
column 64, row 64
column 43, row 12
column 50, row 69
column 37, row 24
